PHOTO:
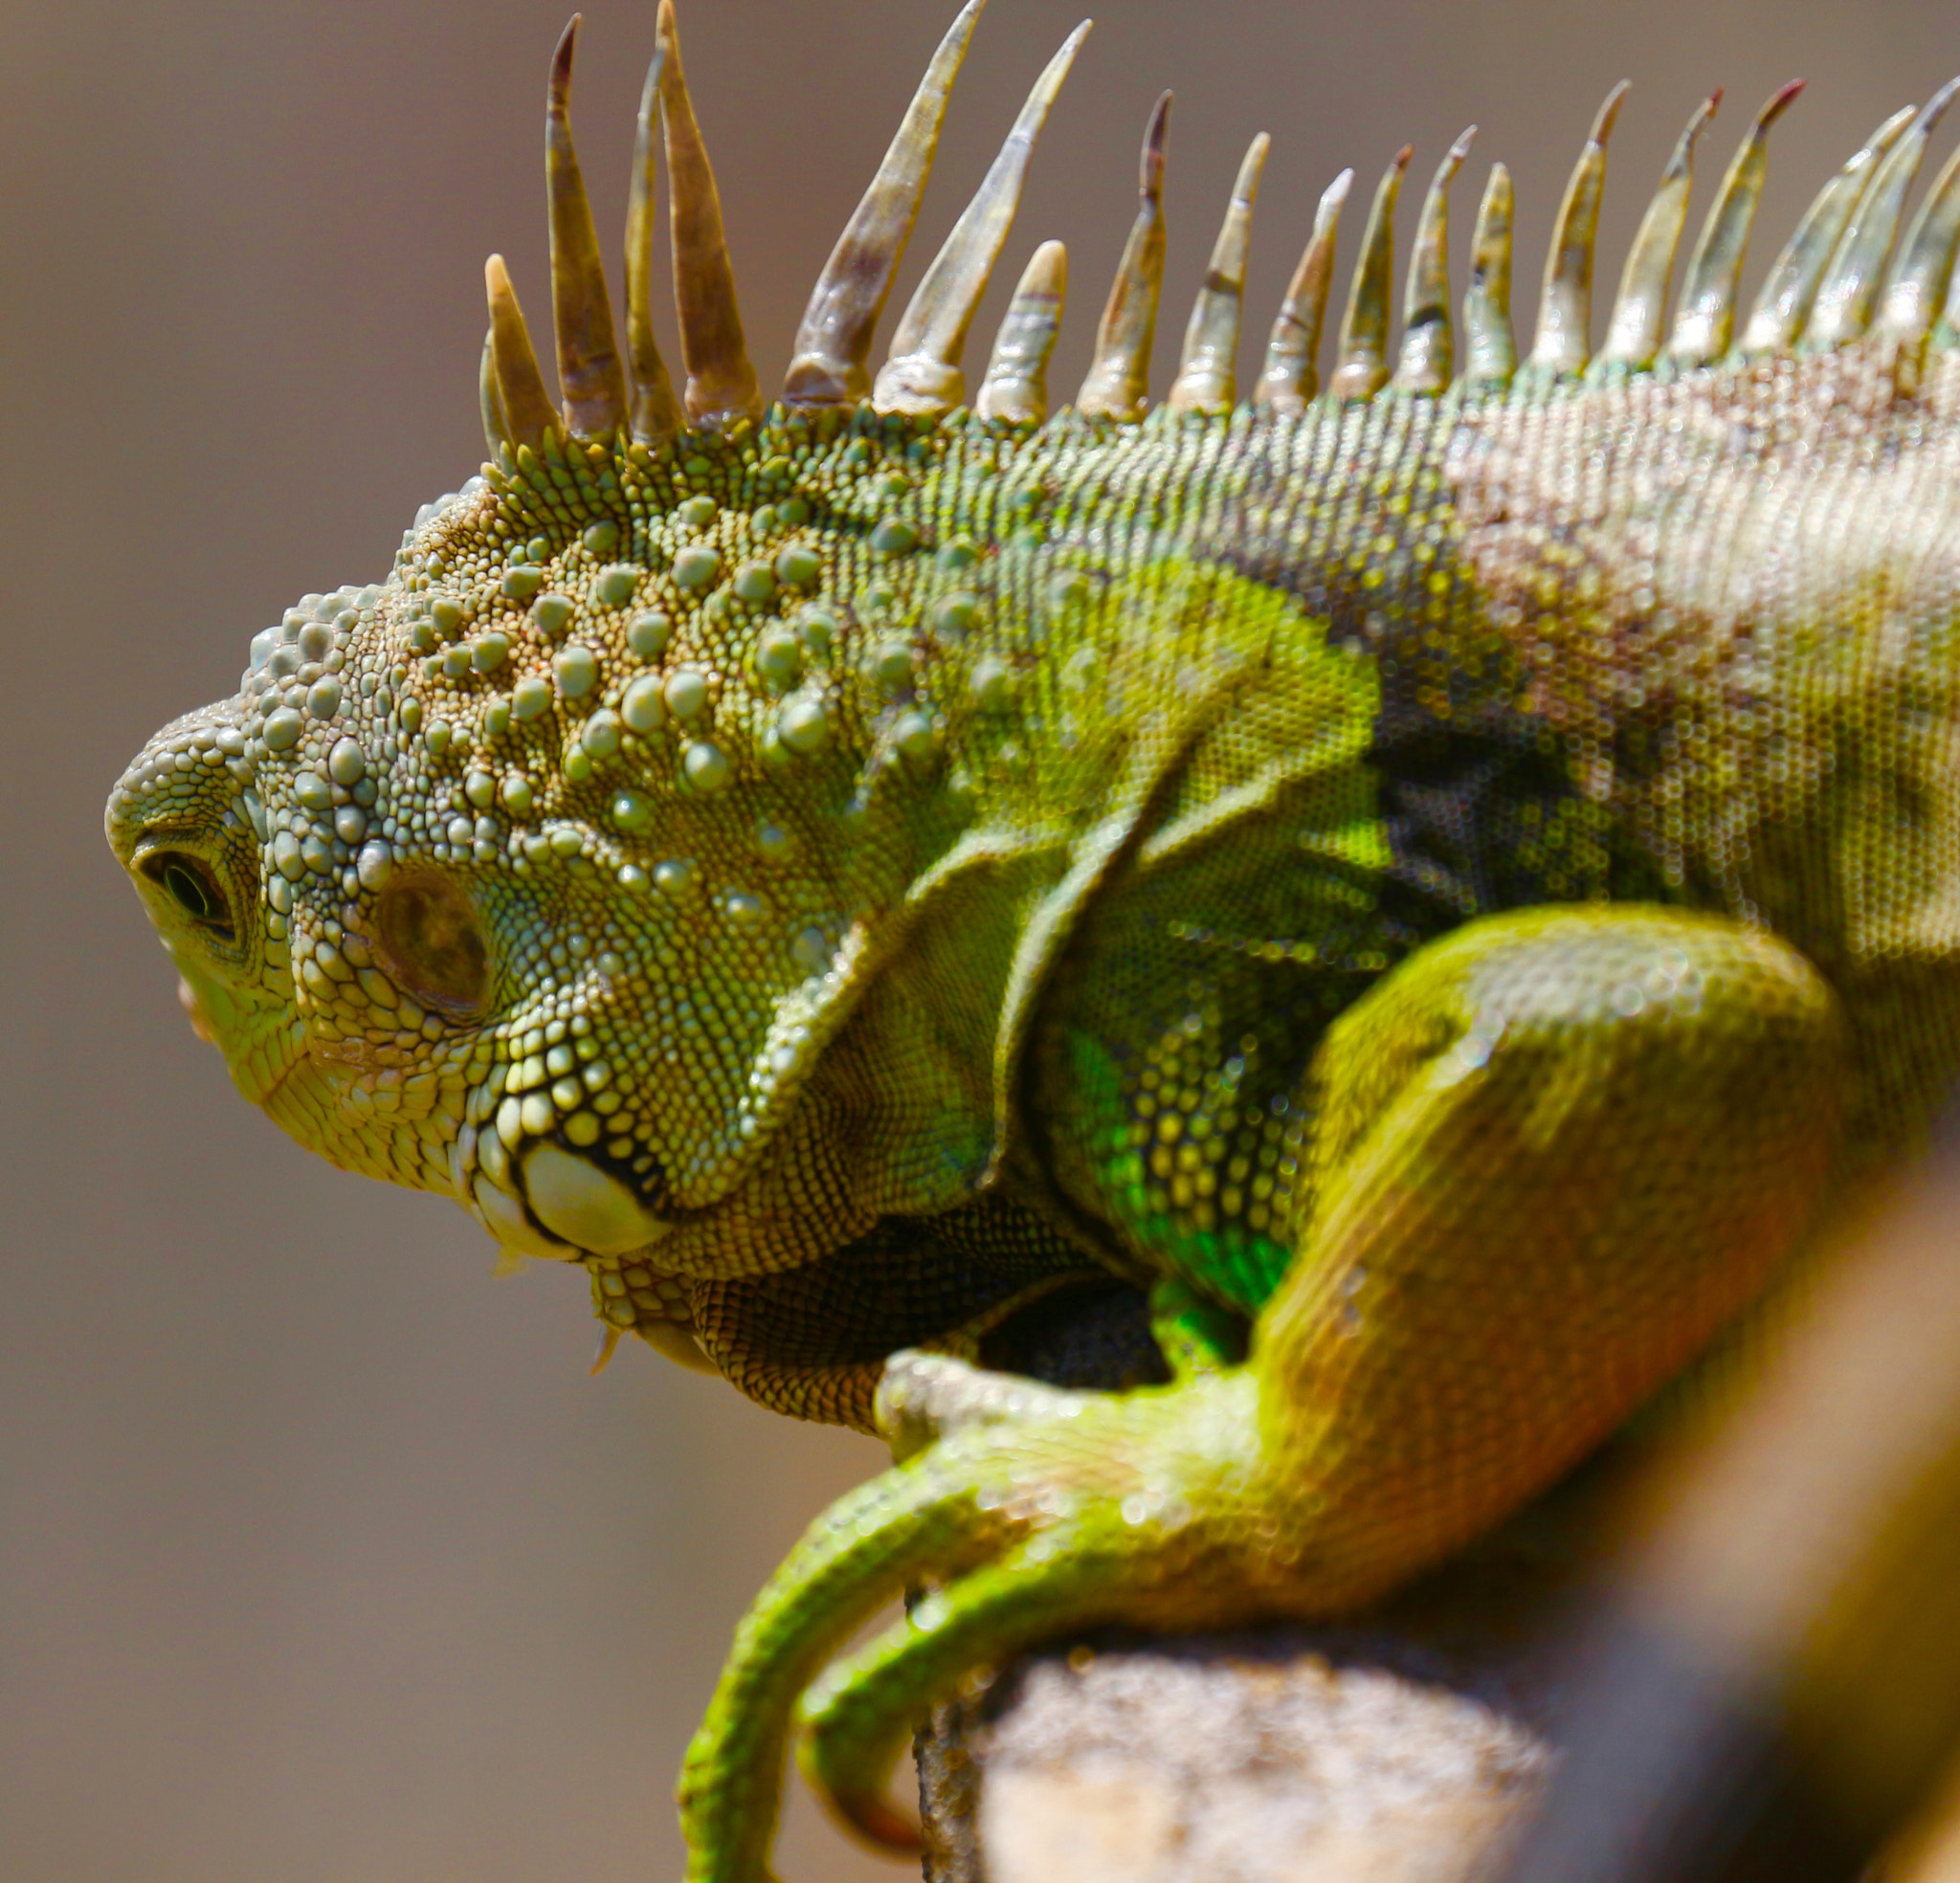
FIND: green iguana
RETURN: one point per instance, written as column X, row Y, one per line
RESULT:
column 1422, row 894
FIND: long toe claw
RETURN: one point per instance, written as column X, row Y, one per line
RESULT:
column 903, row 1525
column 1042, row 1512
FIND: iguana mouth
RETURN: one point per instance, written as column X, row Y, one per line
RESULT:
column 563, row 1194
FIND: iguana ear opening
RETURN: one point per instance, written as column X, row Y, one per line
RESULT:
column 427, row 936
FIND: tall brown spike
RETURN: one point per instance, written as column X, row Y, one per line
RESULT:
column 590, row 373
column 1361, row 369
column 1783, row 305
column 1947, row 321
column 1916, row 289
column 1705, row 315
column 1016, row 386
column 1564, row 339
column 922, row 374
column 721, row 383
column 528, row 409
column 1428, row 355
column 495, row 433
column 1291, row 376
column 1850, row 288
column 1490, row 351
column 1119, row 377
column 827, row 363
column 656, row 412
column 1207, row 376
column 1639, row 310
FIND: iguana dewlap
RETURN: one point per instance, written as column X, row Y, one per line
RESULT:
column 1441, row 884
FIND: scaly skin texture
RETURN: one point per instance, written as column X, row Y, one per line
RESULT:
column 1450, row 891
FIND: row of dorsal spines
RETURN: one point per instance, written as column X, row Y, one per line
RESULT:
column 1844, row 272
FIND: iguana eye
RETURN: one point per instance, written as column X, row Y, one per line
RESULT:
column 429, row 943
column 191, row 884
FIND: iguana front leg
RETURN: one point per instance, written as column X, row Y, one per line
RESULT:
column 1554, row 1152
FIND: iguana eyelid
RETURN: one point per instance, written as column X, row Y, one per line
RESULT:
column 191, row 884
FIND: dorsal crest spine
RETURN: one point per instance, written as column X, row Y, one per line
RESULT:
column 1845, row 274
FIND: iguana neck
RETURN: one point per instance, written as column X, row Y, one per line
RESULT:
column 1087, row 688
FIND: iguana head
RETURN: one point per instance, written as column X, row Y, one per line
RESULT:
column 513, row 875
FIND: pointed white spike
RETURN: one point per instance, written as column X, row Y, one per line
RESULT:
column 922, row 375
column 1564, row 340
column 1015, row 387
column 1291, row 376
column 1206, row 375
column 827, row 363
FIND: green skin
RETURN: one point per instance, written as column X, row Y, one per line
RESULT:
column 1453, row 927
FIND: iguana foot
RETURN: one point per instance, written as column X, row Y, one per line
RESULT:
column 1030, row 1511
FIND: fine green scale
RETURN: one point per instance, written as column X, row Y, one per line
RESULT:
column 1189, row 1128
column 1185, row 1039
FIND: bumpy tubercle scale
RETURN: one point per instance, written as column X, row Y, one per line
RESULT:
column 581, row 664
column 839, row 619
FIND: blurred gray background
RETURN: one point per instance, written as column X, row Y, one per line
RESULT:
column 320, row 1559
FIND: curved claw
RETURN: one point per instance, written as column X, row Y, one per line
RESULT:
column 909, row 1523
column 857, row 1716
